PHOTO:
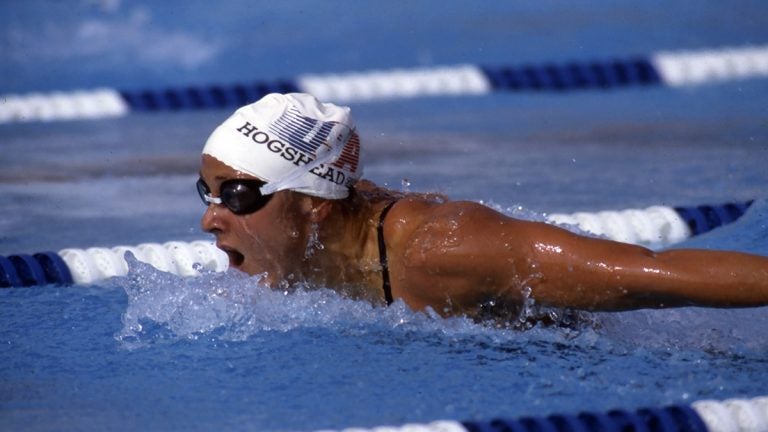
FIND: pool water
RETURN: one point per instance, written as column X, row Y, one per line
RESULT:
column 161, row 352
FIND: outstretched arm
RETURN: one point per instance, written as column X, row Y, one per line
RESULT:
column 588, row 273
column 463, row 253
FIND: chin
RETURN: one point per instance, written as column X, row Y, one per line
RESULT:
column 254, row 269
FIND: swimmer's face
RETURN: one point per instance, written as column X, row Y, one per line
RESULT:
column 271, row 239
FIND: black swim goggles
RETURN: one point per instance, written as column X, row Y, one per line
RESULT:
column 240, row 196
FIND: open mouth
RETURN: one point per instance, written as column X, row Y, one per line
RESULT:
column 235, row 258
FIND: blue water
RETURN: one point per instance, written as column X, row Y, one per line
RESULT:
column 159, row 352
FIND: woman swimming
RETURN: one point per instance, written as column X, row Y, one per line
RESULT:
column 283, row 177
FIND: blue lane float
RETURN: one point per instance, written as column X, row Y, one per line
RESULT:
column 653, row 225
column 671, row 419
column 574, row 76
column 671, row 69
column 203, row 97
column 42, row 268
column 705, row 218
column 743, row 415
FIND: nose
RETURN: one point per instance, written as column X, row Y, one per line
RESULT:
column 212, row 220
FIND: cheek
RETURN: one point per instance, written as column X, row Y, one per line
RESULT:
column 271, row 234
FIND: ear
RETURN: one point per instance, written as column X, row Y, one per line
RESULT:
column 321, row 208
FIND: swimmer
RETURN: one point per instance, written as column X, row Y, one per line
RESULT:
column 282, row 181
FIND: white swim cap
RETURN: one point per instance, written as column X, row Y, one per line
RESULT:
column 291, row 141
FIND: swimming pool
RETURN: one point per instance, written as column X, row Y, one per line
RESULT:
column 157, row 351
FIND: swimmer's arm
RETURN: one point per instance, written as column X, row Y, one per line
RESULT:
column 460, row 254
column 586, row 273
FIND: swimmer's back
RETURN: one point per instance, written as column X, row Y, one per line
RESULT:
column 449, row 253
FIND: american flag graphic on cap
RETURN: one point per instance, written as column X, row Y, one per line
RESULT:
column 307, row 135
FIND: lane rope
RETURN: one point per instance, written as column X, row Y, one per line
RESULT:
column 666, row 68
column 732, row 415
column 656, row 224
column 653, row 225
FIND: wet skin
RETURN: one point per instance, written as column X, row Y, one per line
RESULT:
column 465, row 253
column 455, row 256
column 260, row 242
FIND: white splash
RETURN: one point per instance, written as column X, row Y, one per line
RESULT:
column 235, row 306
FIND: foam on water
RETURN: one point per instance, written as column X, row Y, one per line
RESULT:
column 235, row 306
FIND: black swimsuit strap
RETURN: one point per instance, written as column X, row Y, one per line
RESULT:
column 383, row 255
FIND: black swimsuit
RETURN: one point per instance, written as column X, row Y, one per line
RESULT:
column 383, row 255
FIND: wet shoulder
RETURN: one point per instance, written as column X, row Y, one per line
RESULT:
column 405, row 216
column 445, row 254
column 415, row 219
